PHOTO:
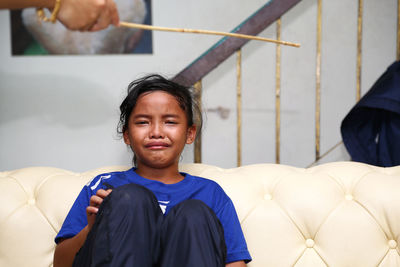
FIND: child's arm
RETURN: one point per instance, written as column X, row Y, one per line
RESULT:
column 66, row 249
column 236, row 264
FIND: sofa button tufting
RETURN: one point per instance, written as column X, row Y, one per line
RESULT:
column 31, row 201
column 310, row 243
column 349, row 197
column 267, row 197
column 392, row 244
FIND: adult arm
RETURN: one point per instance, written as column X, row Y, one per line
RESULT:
column 19, row 4
column 236, row 264
column 83, row 15
column 66, row 249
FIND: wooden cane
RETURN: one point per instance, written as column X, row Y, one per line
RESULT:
column 236, row 35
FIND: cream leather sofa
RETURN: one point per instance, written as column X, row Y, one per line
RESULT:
column 337, row 214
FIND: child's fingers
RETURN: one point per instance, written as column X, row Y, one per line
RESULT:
column 90, row 210
column 91, row 215
column 103, row 193
column 95, row 201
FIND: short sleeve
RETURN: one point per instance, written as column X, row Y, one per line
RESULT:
column 76, row 219
column 234, row 238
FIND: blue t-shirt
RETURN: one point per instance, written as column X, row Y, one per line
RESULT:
column 168, row 195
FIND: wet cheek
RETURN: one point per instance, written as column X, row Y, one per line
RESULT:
column 140, row 132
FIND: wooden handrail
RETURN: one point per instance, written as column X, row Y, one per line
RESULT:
column 223, row 49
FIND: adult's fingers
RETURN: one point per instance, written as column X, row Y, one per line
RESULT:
column 100, row 24
column 114, row 13
column 81, row 14
column 109, row 15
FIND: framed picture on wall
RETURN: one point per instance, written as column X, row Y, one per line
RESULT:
column 32, row 37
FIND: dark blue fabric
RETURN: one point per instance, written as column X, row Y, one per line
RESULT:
column 126, row 231
column 130, row 230
column 168, row 195
column 192, row 235
column 371, row 130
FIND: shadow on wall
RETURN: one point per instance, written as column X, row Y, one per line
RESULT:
column 54, row 99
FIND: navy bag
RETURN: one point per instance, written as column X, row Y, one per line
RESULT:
column 371, row 130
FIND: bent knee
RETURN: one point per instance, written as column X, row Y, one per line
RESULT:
column 132, row 194
column 193, row 210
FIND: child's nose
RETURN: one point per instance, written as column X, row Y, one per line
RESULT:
column 156, row 131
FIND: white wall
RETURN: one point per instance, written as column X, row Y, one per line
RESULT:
column 62, row 111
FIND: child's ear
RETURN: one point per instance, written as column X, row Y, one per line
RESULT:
column 191, row 134
column 126, row 137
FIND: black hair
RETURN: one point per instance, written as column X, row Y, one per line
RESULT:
column 154, row 82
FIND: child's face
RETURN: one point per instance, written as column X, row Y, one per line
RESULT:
column 158, row 130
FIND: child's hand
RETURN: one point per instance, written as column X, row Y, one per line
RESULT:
column 93, row 208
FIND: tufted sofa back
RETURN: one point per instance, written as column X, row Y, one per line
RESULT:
column 336, row 214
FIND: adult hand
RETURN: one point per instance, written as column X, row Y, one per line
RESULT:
column 94, row 204
column 88, row 15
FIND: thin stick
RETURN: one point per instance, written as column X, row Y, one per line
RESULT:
column 239, row 105
column 318, row 83
column 237, row 35
column 325, row 154
column 278, row 95
column 359, row 48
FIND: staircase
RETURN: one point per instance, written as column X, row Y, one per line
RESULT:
column 223, row 49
